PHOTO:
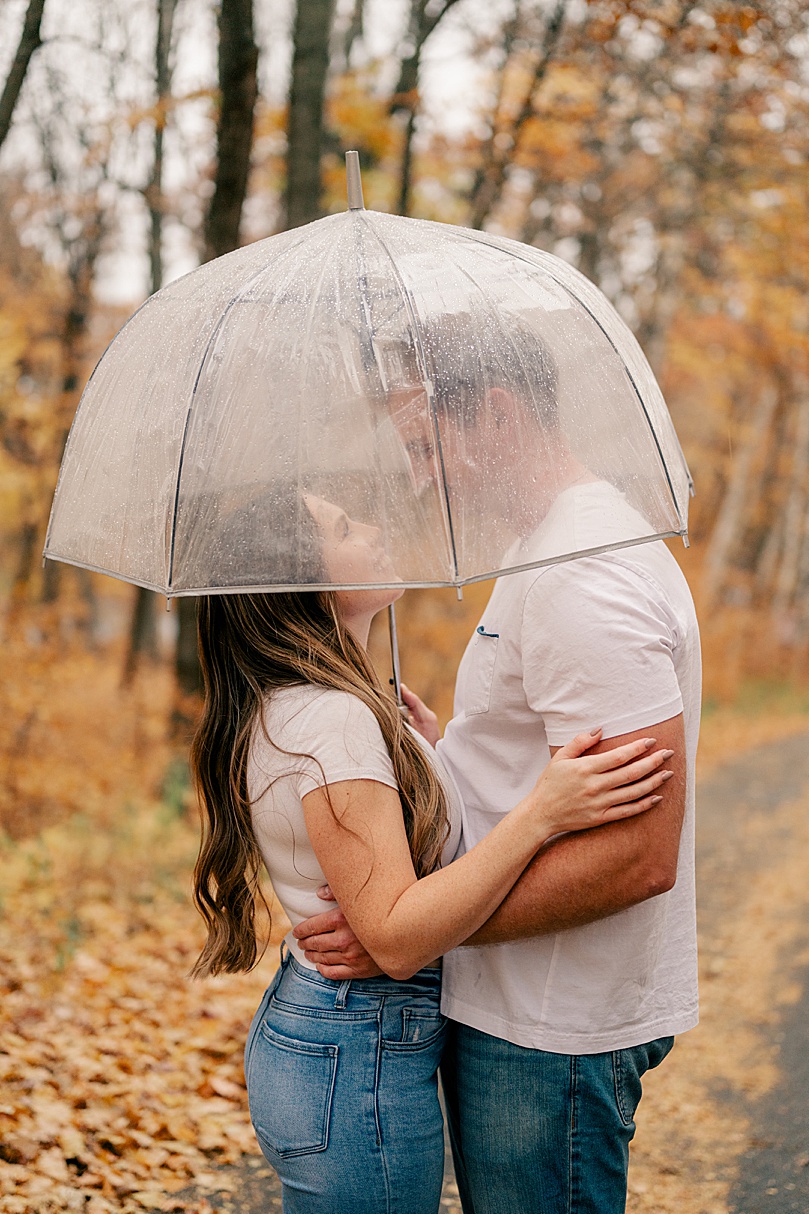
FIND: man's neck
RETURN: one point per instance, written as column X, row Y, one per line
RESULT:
column 533, row 507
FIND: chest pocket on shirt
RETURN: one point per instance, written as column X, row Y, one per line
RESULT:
column 481, row 672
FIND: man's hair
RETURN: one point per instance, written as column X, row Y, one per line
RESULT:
column 465, row 360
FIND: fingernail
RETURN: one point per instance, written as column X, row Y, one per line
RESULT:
column 597, row 729
column 667, row 754
column 649, row 742
column 667, row 775
column 656, row 800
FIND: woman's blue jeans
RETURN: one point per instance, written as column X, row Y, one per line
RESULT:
column 342, row 1082
column 540, row 1133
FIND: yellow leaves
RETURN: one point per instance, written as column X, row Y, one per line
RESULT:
column 121, row 1079
column 101, row 748
column 358, row 112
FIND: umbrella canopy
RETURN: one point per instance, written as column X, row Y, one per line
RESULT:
column 425, row 378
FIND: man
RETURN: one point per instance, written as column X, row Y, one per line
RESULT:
column 579, row 982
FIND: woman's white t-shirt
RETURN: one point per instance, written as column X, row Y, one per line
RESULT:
column 319, row 736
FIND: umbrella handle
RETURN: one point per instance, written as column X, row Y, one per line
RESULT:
column 394, row 657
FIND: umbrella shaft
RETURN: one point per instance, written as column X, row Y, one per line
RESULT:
column 394, row 655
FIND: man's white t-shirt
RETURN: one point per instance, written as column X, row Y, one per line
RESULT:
column 606, row 640
column 316, row 736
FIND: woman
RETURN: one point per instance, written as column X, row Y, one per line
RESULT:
column 304, row 764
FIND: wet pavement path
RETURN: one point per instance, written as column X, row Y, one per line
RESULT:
column 771, row 1175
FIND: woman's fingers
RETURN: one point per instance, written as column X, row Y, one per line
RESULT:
column 629, row 793
column 422, row 718
column 579, row 745
column 609, row 760
column 630, row 809
column 413, row 702
column 637, row 770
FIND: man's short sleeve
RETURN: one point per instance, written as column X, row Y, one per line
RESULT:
column 598, row 640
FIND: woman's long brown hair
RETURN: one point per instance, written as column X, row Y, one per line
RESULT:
column 251, row 645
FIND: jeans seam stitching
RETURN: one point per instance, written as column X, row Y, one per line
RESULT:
column 572, row 1200
column 618, row 1079
column 377, row 1121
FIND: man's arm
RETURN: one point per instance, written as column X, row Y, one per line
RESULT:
column 589, row 875
column 574, row 880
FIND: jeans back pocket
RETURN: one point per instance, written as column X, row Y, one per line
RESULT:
column 290, row 1085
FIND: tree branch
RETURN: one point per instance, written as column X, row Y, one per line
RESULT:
column 30, row 41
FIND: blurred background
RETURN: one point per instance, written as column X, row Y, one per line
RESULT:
column 660, row 146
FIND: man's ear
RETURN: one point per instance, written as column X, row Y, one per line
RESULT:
column 500, row 406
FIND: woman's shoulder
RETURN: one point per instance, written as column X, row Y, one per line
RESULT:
column 303, row 708
column 329, row 734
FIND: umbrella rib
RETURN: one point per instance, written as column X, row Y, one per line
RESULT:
column 120, row 577
column 211, row 340
column 175, row 507
column 411, row 311
column 414, row 585
column 566, row 557
column 474, row 238
column 641, row 401
column 74, row 421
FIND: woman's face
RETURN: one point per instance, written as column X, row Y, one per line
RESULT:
column 354, row 552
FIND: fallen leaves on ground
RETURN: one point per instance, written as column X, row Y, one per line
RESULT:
column 122, row 1079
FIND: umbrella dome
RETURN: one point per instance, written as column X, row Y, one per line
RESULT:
column 350, row 359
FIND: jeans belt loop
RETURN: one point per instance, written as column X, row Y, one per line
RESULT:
column 341, row 997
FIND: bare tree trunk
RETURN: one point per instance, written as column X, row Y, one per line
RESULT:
column 143, row 625
column 406, row 94
column 731, row 513
column 354, row 29
column 501, row 145
column 238, row 92
column 768, row 559
column 794, row 515
column 154, row 191
column 84, row 255
column 238, row 87
column 30, row 41
column 310, row 65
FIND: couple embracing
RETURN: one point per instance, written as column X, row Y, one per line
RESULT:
column 515, row 900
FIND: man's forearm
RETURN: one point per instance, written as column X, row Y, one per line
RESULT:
column 573, row 881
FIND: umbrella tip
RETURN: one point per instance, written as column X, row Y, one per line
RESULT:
column 354, row 182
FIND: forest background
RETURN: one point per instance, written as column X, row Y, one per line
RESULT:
column 661, row 146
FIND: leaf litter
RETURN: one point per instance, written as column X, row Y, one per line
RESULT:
column 121, row 1081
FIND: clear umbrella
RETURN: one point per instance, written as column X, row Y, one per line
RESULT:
column 432, row 380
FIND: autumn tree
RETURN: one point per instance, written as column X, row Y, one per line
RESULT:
column 142, row 631
column 307, row 91
column 238, row 92
column 423, row 20
column 30, row 41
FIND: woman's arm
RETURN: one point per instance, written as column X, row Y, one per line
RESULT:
column 357, row 832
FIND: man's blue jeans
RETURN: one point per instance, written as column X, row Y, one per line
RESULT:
column 540, row 1133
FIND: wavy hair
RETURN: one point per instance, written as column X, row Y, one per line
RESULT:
column 251, row 645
